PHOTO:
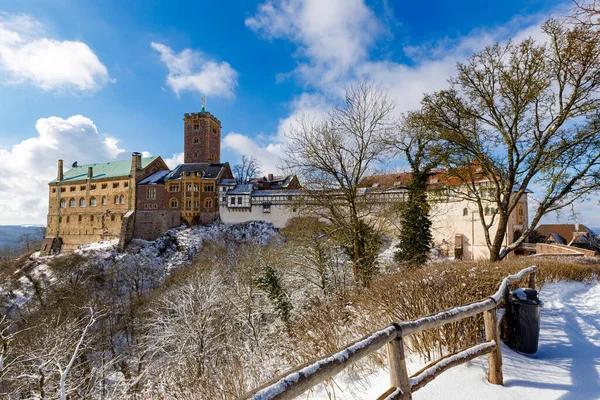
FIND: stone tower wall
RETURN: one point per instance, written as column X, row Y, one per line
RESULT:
column 201, row 138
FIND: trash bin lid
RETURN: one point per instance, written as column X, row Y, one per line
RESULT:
column 525, row 296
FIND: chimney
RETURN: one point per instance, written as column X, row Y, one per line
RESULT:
column 270, row 177
column 136, row 162
column 90, row 172
column 60, row 175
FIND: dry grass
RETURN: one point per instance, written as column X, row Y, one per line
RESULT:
column 409, row 295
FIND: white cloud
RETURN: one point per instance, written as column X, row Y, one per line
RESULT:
column 28, row 166
column 331, row 36
column 174, row 161
column 50, row 64
column 267, row 155
column 190, row 70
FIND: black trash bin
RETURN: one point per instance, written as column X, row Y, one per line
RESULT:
column 523, row 320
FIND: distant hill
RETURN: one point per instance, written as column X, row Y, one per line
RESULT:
column 10, row 234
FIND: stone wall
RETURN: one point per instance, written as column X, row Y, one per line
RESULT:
column 150, row 225
column 201, row 138
column 559, row 249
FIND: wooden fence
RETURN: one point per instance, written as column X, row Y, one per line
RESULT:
column 299, row 380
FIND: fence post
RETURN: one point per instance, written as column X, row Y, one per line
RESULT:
column 495, row 357
column 532, row 280
column 398, row 372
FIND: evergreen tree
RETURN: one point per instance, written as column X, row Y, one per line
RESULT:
column 270, row 283
column 415, row 229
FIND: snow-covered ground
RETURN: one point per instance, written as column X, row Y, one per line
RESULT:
column 566, row 366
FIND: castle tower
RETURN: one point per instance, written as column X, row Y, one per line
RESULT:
column 201, row 137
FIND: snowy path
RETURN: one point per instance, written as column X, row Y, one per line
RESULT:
column 566, row 366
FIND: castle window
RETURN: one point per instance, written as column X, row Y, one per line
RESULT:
column 93, row 202
column 232, row 200
column 116, row 199
column 104, row 185
column 195, row 154
column 82, row 202
column 196, row 126
column 60, row 219
column 146, row 206
column 126, row 184
column 92, row 187
column 91, row 218
column 72, row 203
column 68, row 219
column 122, row 199
column 174, row 203
column 53, row 190
column 72, row 189
column 115, row 185
column 208, row 188
column 82, row 188
column 62, row 189
column 112, row 217
column 195, row 203
column 240, row 200
column 195, row 188
column 63, row 203
column 174, row 188
column 79, row 219
column 196, row 141
column 103, row 200
column 214, row 130
column 151, row 194
column 188, row 203
column 465, row 212
column 208, row 203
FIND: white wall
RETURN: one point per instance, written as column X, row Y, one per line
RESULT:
column 279, row 215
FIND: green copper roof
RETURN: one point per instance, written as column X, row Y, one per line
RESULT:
column 102, row 170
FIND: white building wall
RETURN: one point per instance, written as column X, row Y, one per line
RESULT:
column 279, row 215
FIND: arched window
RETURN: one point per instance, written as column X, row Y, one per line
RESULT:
column 63, row 203
column 174, row 203
column 208, row 203
column 465, row 212
column 93, row 202
column 117, row 199
column 82, row 202
column 72, row 203
column 103, row 200
column 122, row 199
column 196, row 140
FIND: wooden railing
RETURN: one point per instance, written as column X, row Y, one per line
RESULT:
column 299, row 380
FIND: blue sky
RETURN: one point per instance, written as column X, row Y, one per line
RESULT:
column 116, row 76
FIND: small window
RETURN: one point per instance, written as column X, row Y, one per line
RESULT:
column 195, row 203
column 62, row 189
column 465, row 212
column 82, row 188
column 53, row 190
column 208, row 188
column 195, row 188
column 103, row 200
column 125, row 184
column 72, row 189
column 112, row 217
column 115, row 185
column 93, row 202
column 68, row 219
column 196, row 126
column 79, row 218
column 189, row 188
column 116, row 199
column 104, row 185
column 174, row 203
column 188, row 203
column 196, row 154
column 214, row 130
column 63, row 203
column 91, row 218
column 196, row 140
column 82, row 202
column 92, row 187
column 60, row 219
column 122, row 199
column 208, row 203
column 239, row 200
column 72, row 203
column 232, row 200
column 266, row 208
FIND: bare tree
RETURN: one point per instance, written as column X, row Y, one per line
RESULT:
column 26, row 240
column 586, row 13
column 519, row 114
column 333, row 156
column 247, row 170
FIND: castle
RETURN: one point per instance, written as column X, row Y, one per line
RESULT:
column 143, row 198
